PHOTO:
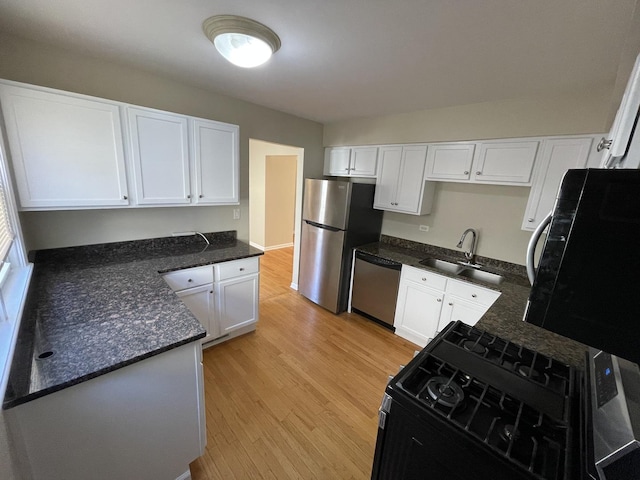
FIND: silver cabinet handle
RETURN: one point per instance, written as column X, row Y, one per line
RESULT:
column 424, row 279
column 531, row 220
column 200, row 196
column 478, row 173
column 347, row 169
column 188, row 196
column 242, row 269
column 466, row 172
column 439, row 300
column 474, row 295
column 451, row 303
column 189, row 280
column 124, row 197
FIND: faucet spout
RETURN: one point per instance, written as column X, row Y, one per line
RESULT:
column 470, row 255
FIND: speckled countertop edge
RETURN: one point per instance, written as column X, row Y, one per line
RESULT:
column 102, row 307
column 504, row 317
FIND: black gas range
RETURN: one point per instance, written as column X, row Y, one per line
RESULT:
column 472, row 405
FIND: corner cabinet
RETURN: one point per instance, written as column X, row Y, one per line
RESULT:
column 67, row 152
column 400, row 184
column 351, row 161
column 427, row 302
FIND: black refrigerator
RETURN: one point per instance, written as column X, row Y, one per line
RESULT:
column 587, row 283
column 336, row 216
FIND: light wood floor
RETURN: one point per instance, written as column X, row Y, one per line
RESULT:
column 298, row 398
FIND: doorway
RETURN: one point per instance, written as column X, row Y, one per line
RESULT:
column 275, row 199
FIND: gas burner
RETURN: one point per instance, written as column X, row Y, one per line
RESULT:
column 530, row 372
column 445, row 391
column 508, row 433
column 474, row 347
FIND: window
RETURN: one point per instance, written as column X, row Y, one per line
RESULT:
column 15, row 272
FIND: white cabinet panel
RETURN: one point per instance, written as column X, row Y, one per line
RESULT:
column 351, row 161
column 67, row 151
column 450, row 161
column 160, row 156
column 338, row 159
column 216, row 162
column 505, row 162
column 558, row 155
column 201, row 301
column 237, row 302
column 455, row 309
column 400, row 185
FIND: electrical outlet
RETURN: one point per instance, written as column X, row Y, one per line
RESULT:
column 236, row 214
column 424, row 228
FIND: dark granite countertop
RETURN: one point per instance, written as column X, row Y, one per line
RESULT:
column 504, row 318
column 98, row 308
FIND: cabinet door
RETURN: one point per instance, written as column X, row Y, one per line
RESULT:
column 557, row 157
column 363, row 161
column 411, row 179
column 417, row 312
column 160, row 156
column 508, row 163
column 216, row 162
column 200, row 300
column 450, row 162
column 67, row 151
column 387, row 178
column 339, row 161
column 237, row 302
column 455, row 308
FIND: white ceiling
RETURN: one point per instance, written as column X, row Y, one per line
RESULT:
column 342, row 59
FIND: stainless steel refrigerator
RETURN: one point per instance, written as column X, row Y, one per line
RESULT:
column 336, row 216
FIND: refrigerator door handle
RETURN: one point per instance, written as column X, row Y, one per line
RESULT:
column 531, row 248
column 324, row 227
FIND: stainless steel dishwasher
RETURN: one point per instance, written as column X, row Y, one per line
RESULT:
column 375, row 288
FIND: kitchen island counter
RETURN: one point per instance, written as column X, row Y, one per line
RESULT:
column 94, row 309
column 504, row 317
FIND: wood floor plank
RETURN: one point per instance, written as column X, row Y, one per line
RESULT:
column 297, row 398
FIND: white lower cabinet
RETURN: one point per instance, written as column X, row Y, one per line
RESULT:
column 427, row 302
column 144, row 421
column 223, row 297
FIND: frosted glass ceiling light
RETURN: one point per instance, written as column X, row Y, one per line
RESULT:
column 244, row 42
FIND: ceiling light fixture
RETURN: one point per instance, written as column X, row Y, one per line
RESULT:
column 244, row 42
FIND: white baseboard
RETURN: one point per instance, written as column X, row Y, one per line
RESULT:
column 278, row 247
column 185, row 476
column 294, row 286
column 254, row 244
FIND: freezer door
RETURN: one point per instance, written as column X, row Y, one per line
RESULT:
column 321, row 264
column 326, row 202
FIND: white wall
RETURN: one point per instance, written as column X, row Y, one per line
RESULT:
column 40, row 64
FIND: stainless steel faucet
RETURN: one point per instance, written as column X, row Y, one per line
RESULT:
column 471, row 254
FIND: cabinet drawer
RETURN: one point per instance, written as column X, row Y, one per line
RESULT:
column 236, row 268
column 472, row 292
column 424, row 277
column 190, row 277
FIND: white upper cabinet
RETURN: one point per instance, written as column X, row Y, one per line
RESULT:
column 493, row 162
column 450, row 161
column 67, row 151
column 351, row 161
column 217, row 166
column 71, row 151
column 160, row 157
column 558, row 156
column 509, row 163
column 400, row 185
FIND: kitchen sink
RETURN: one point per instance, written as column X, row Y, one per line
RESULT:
column 442, row 265
column 482, row 276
